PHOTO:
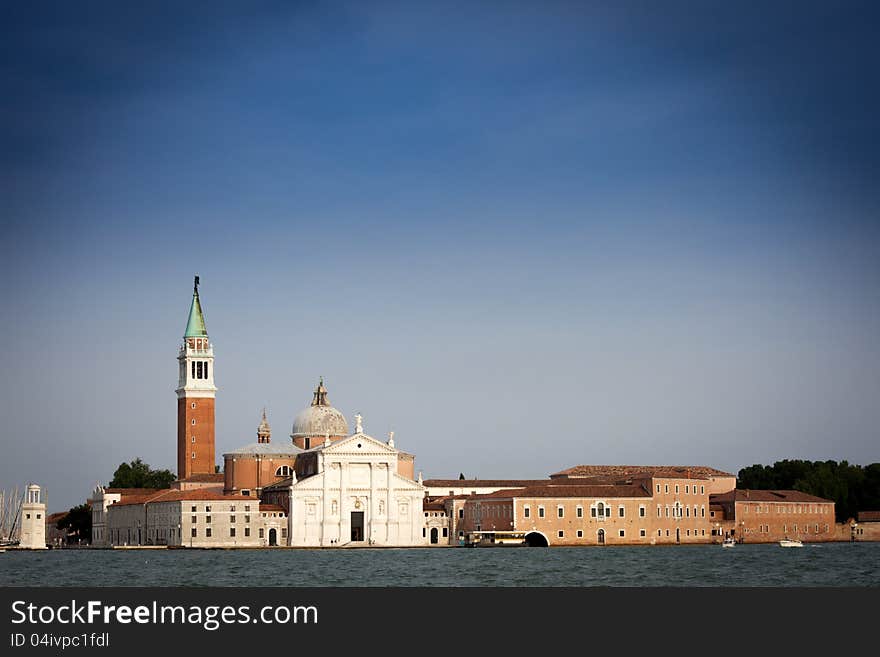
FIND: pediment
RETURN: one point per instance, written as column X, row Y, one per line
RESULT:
column 359, row 443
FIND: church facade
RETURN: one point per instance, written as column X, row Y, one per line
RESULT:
column 351, row 492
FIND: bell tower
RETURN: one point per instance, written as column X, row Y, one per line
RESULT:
column 195, row 396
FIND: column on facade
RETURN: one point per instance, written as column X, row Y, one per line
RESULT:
column 325, row 510
column 342, row 537
column 372, row 504
column 289, row 514
column 390, row 511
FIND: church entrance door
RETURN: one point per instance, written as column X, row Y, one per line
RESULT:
column 434, row 536
column 357, row 526
column 273, row 537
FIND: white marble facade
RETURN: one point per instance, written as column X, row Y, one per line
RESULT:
column 356, row 498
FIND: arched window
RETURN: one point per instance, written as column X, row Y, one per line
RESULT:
column 600, row 510
column 284, row 471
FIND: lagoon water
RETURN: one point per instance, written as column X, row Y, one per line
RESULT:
column 828, row 564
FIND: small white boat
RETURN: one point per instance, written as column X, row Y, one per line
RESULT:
column 728, row 542
column 790, row 542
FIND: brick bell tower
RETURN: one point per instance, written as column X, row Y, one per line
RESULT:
column 195, row 396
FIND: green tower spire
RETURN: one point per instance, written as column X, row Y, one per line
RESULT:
column 195, row 326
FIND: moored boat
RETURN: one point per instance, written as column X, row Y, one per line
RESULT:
column 791, row 542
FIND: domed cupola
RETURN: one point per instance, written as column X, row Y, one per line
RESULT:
column 318, row 421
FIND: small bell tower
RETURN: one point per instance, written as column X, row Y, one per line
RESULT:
column 264, row 431
column 195, row 395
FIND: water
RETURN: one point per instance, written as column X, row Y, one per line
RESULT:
column 828, row 564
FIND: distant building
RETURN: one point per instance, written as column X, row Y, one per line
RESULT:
column 768, row 516
column 33, row 520
column 717, row 481
column 643, row 508
column 866, row 526
column 191, row 518
column 54, row 536
column 99, row 502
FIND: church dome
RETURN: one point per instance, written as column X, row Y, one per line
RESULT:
column 319, row 419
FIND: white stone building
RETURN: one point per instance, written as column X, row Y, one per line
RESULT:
column 199, row 518
column 33, row 520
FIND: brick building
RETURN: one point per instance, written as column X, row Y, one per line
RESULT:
column 768, row 516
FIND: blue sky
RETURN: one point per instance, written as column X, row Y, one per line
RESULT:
column 521, row 236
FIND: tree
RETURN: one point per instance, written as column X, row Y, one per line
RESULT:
column 851, row 487
column 78, row 523
column 138, row 474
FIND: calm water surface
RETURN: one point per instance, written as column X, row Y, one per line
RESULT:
column 830, row 564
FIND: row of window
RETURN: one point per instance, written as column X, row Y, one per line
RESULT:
column 688, row 489
column 598, row 510
column 805, row 529
column 788, row 508
column 247, row 507
column 679, row 511
column 445, row 532
column 247, row 532
column 702, row 532
column 195, row 519
column 621, row 533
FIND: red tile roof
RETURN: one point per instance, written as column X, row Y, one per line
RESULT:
column 750, row 495
column 574, row 491
column 56, row 517
column 129, row 500
column 133, row 491
column 271, row 507
column 173, row 495
column 671, row 471
column 484, row 483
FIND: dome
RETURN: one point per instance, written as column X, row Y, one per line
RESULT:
column 319, row 419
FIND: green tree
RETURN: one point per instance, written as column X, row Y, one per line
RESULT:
column 851, row 487
column 138, row 474
column 78, row 523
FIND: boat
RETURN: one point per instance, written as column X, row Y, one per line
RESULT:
column 791, row 542
column 728, row 542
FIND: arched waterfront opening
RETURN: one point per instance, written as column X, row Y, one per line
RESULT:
column 434, row 536
column 600, row 536
column 273, row 537
column 536, row 539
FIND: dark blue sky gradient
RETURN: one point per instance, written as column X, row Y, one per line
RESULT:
column 523, row 236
